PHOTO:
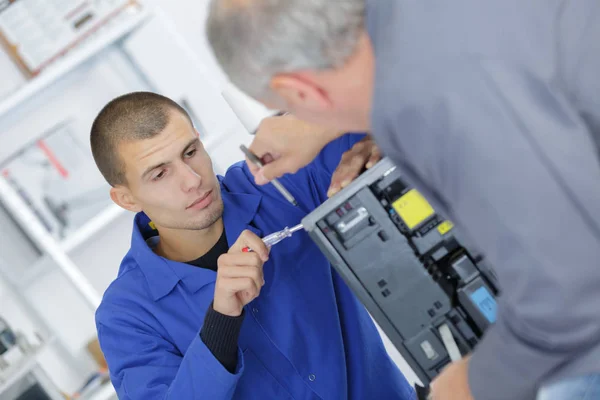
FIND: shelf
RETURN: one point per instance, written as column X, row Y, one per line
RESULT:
column 40, row 268
column 90, row 228
column 71, row 61
column 106, row 392
column 44, row 264
column 22, row 368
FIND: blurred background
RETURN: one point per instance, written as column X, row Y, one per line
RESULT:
column 61, row 238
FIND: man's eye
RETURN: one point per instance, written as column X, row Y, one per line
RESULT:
column 190, row 153
column 159, row 176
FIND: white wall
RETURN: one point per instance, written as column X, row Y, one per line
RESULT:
column 189, row 16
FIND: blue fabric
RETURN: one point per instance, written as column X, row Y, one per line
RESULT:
column 580, row 388
column 305, row 337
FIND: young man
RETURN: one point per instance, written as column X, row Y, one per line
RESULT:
column 192, row 316
column 492, row 110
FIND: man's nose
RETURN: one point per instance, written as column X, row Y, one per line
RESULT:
column 190, row 180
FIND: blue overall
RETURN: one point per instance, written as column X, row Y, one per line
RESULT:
column 305, row 337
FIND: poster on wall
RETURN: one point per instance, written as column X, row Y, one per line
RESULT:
column 57, row 178
column 37, row 32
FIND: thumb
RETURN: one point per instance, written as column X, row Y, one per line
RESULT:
column 274, row 169
column 252, row 167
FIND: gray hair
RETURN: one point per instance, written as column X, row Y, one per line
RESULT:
column 253, row 40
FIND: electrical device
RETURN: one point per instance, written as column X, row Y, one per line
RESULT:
column 431, row 295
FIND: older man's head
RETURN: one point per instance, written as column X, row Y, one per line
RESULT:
column 310, row 57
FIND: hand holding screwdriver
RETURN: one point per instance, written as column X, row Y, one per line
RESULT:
column 291, row 144
column 240, row 275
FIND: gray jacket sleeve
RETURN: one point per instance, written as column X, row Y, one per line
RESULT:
column 505, row 156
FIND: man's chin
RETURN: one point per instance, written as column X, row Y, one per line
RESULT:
column 207, row 217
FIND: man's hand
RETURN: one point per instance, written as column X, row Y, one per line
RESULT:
column 285, row 144
column 240, row 275
column 453, row 382
column 363, row 154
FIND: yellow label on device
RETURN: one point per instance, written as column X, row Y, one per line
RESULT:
column 445, row 227
column 413, row 208
column 151, row 224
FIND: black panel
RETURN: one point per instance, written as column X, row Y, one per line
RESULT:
column 411, row 281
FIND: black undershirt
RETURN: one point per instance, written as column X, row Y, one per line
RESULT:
column 219, row 332
column 209, row 260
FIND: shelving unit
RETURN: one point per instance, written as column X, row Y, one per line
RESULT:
column 69, row 63
column 55, row 253
column 150, row 51
column 91, row 228
column 30, row 361
column 106, row 392
column 37, row 232
column 30, row 364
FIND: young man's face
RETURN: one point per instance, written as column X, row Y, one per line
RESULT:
column 170, row 177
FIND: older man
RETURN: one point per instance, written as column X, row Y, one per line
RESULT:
column 491, row 108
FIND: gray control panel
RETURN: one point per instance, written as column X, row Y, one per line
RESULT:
column 431, row 296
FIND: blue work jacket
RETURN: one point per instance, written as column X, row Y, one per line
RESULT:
column 305, row 337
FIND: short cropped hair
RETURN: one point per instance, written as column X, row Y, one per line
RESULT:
column 131, row 117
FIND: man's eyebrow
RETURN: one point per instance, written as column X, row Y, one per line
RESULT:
column 163, row 164
column 152, row 168
column 190, row 144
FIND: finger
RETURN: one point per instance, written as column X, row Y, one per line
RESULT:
column 237, row 285
column 354, row 168
column 253, row 272
column 249, row 239
column 243, row 259
column 338, row 174
column 336, row 180
column 286, row 164
column 246, row 297
column 333, row 191
column 267, row 158
column 259, row 178
column 262, row 145
column 359, row 146
column 334, row 187
column 347, row 171
column 375, row 157
column 252, row 167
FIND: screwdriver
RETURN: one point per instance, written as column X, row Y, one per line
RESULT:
column 276, row 237
column 256, row 161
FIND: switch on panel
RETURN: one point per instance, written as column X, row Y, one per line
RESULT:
column 413, row 208
column 383, row 236
column 429, row 351
column 352, row 222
